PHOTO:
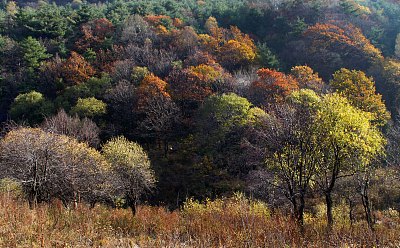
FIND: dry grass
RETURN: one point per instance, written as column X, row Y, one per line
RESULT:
column 236, row 222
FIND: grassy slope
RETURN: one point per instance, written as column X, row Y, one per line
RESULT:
column 230, row 223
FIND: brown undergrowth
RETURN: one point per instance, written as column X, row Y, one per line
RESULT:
column 233, row 222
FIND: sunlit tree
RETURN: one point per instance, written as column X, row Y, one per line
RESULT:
column 360, row 90
column 131, row 167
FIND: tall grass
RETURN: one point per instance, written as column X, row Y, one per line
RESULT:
column 233, row 222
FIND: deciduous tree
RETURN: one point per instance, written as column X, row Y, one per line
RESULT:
column 84, row 130
column 339, row 45
column 196, row 83
column 286, row 144
column 136, row 30
column 360, row 91
column 76, row 69
column 95, row 34
column 271, row 86
column 159, row 111
column 50, row 165
column 307, row 78
column 397, row 47
column 131, row 166
column 89, row 107
column 218, row 152
column 348, row 141
column 31, row 107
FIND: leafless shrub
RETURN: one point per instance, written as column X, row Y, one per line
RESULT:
column 84, row 130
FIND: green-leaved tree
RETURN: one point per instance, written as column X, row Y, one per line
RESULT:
column 31, row 107
column 33, row 53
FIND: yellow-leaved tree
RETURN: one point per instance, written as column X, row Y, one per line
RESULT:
column 131, row 170
column 348, row 143
column 360, row 91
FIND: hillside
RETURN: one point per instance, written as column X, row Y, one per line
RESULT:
column 148, row 105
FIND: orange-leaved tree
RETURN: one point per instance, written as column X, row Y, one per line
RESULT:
column 94, row 34
column 158, row 112
column 196, row 83
column 307, row 78
column 76, row 69
column 232, row 48
column 151, row 86
column 333, row 45
column 271, row 87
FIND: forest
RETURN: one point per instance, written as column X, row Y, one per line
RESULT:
column 200, row 123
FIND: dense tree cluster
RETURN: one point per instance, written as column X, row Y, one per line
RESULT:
column 295, row 102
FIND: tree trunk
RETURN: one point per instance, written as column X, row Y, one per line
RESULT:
column 133, row 208
column 75, row 202
column 298, row 210
column 130, row 202
column 367, row 209
column 300, row 213
column 32, row 197
column 329, row 206
column 165, row 148
column 295, row 210
column 34, row 191
column 351, row 209
column 301, row 210
column 32, row 201
column 65, row 202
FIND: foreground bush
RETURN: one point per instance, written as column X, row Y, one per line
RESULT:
column 234, row 222
column 50, row 165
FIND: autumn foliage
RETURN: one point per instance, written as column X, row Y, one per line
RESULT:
column 94, row 34
column 307, row 78
column 76, row 69
column 335, row 44
column 342, row 36
column 156, row 20
column 360, row 90
column 196, row 82
column 287, row 101
column 151, row 87
column 232, row 48
column 271, row 86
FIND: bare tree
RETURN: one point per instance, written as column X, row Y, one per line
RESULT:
column 161, row 115
column 355, row 190
column 51, row 165
column 258, row 185
column 136, row 30
column 158, row 61
column 84, row 130
column 347, row 190
column 121, row 101
column 393, row 144
column 363, row 178
column 242, row 80
column 10, row 125
column 122, row 70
